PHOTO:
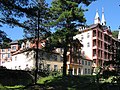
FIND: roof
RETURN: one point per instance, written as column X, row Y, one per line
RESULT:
column 85, row 57
column 14, row 42
column 30, row 49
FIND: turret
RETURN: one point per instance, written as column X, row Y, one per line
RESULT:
column 103, row 22
column 119, row 35
column 97, row 18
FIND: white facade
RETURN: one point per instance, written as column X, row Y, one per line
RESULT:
column 22, row 61
column 86, row 40
column 25, row 59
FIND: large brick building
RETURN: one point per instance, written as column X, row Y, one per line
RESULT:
column 98, row 43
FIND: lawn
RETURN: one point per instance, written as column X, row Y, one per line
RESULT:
column 20, row 80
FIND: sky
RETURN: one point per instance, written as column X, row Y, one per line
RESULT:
column 111, row 12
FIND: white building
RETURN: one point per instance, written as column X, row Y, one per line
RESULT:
column 97, row 41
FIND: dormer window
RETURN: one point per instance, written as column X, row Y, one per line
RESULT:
column 3, row 50
column 43, row 44
column 23, row 45
column 27, row 44
column 13, row 47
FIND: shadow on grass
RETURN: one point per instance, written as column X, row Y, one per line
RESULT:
column 72, row 83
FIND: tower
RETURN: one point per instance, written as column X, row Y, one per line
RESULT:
column 119, row 35
column 97, row 18
column 103, row 22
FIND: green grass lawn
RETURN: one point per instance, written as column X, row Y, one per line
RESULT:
column 62, row 83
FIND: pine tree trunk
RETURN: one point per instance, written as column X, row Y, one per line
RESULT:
column 65, row 61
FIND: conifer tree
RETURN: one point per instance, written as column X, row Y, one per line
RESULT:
column 24, row 14
column 4, row 40
column 67, row 16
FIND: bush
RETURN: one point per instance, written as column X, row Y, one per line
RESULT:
column 15, row 77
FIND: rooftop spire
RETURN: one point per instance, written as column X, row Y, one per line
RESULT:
column 119, row 35
column 97, row 18
column 103, row 22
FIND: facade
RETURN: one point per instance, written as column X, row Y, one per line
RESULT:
column 97, row 40
column 5, row 55
column 77, row 63
column 25, row 59
column 23, row 56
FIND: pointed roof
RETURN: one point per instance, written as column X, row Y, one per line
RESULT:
column 103, row 21
column 97, row 18
column 119, row 35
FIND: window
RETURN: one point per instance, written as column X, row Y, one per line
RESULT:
column 82, row 62
column 8, row 49
column 94, row 33
column 13, row 47
column 55, row 67
column 23, row 45
column 3, row 55
column 94, row 52
column 88, row 44
column 79, row 71
column 89, row 63
column 85, row 71
column 8, row 55
column 88, row 71
column 27, row 44
column 61, row 58
column 83, row 52
column 3, row 50
column 88, row 35
column 55, row 57
column 82, row 37
column 94, row 43
column 15, row 58
column 15, row 67
column 48, row 67
column 85, row 62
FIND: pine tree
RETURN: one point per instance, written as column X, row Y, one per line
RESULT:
column 4, row 40
column 67, row 16
column 24, row 14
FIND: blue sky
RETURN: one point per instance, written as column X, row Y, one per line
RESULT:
column 111, row 11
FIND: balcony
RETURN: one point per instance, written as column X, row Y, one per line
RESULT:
column 94, row 57
column 94, row 47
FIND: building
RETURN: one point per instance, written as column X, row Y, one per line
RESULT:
column 77, row 63
column 5, row 55
column 98, row 43
column 26, row 59
column 23, row 56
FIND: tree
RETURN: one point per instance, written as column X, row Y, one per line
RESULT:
column 31, row 15
column 24, row 14
column 115, row 33
column 4, row 40
column 67, row 16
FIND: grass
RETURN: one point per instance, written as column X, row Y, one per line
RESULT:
column 69, row 82
column 63, row 83
column 16, row 87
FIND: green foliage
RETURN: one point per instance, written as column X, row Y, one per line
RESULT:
column 25, row 14
column 4, row 40
column 115, row 33
column 69, row 82
column 67, row 15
